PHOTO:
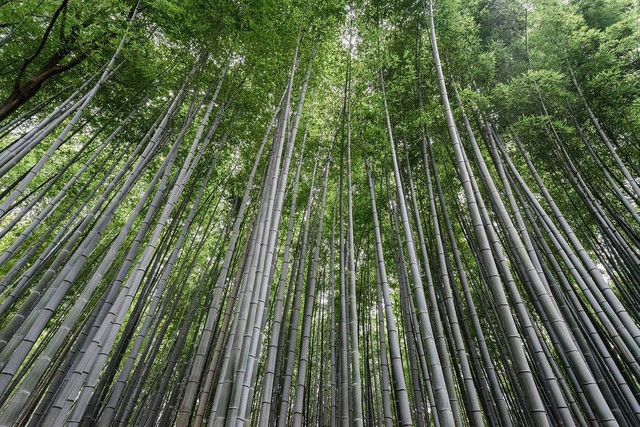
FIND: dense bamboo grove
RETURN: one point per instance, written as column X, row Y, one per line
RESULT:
column 416, row 212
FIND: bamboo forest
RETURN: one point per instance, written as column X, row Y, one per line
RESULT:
column 319, row 213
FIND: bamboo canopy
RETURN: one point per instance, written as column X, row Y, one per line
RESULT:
column 417, row 212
